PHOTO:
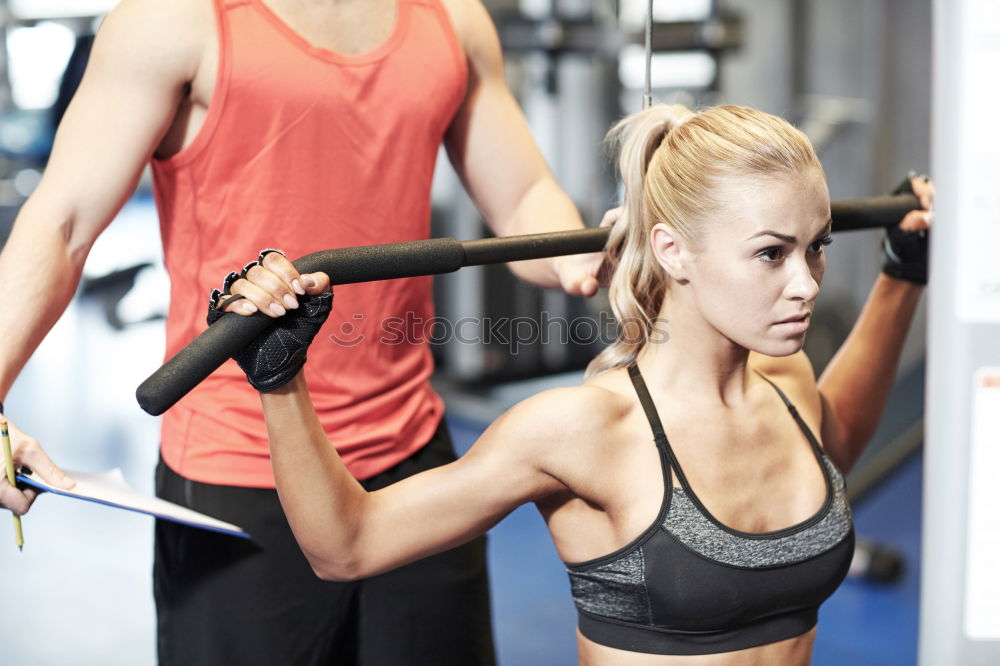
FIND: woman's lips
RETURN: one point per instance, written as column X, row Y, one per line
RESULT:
column 795, row 325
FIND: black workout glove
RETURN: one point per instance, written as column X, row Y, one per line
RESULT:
column 277, row 354
column 904, row 253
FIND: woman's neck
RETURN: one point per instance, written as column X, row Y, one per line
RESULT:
column 694, row 358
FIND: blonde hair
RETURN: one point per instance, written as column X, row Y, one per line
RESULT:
column 672, row 162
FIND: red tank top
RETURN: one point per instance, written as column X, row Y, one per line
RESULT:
column 304, row 149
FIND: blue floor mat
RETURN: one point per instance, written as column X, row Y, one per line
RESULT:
column 868, row 623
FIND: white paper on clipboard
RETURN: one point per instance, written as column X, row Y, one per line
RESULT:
column 109, row 488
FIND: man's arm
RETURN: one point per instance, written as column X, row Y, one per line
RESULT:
column 144, row 54
column 492, row 149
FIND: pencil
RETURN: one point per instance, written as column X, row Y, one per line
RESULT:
column 9, row 460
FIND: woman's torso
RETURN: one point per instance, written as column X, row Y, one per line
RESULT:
column 750, row 466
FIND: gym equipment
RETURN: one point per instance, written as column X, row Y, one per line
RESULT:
column 367, row 263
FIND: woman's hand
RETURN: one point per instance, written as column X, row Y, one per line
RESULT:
column 301, row 303
column 270, row 285
column 905, row 247
column 28, row 452
column 917, row 220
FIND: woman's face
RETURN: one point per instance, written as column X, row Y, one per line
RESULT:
column 756, row 274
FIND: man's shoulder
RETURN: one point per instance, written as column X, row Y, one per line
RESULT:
column 199, row 13
column 180, row 22
column 471, row 22
column 166, row 37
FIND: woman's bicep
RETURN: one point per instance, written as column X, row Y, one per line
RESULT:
column 449, row 505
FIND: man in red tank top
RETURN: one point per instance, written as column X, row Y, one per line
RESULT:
column 303, row 125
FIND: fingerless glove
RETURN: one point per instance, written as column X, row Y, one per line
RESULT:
column 904, row 253
column 277, row 354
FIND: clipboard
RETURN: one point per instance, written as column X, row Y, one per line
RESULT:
column 110, row 489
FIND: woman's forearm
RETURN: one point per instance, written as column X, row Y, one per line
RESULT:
column 324, row 504
column 857, row 381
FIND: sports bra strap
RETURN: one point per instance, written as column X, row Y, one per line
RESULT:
column 784, row 398
column 795, row 414
column 647, row 406
column 657, row 426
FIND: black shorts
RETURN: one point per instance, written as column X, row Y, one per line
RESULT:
column 225, row 600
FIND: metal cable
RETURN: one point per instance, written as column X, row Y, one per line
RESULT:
column 647, row 93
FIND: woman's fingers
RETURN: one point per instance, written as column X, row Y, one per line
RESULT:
column 917, row 220
column 315, row 283
column 271, row 286
column 281, row 268
column 923, row 187
column 264, row 291
column 264, row 298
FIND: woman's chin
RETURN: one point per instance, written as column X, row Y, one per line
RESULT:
column 779, row 348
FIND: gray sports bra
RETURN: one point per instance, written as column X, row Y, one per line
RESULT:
column 691, row 585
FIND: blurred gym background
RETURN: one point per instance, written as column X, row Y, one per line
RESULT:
column 853, row 74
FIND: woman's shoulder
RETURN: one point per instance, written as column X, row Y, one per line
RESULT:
column 567, row 433
column 571, row 415
column 795, row 376
column 598, row 402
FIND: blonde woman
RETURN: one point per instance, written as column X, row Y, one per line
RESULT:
column 693, row 483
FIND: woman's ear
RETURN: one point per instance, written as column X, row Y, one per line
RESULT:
column 670, row 252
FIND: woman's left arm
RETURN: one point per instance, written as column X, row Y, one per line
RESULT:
column 856, row 383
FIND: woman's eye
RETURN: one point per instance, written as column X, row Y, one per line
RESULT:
column 771, row 254
column 818, row 245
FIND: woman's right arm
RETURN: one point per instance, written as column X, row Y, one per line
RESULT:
column 348, row 533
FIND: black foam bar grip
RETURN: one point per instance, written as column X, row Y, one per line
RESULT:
column 188, row 367
column 872, row 212
column 385, row 262
column 534, row 246
column 232, row 332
